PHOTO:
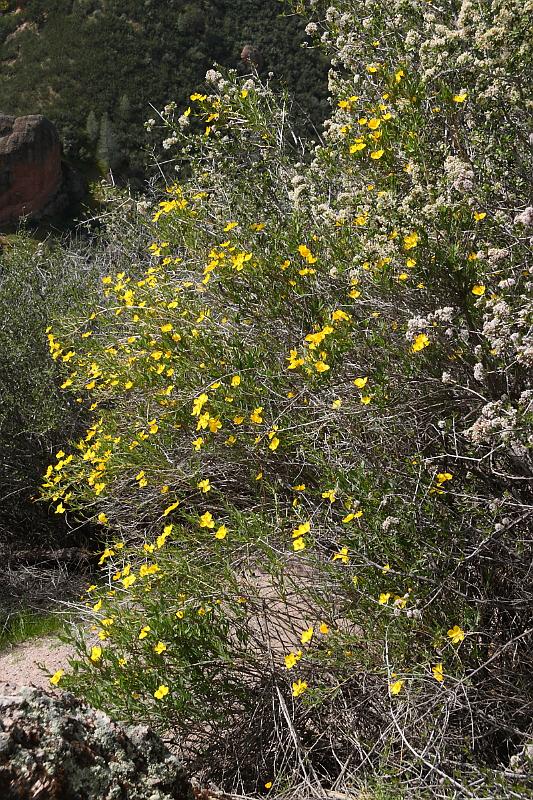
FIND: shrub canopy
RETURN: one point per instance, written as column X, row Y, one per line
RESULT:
column 310, row 444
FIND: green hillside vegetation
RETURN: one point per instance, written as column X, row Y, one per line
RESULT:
column 37, row 282
column 307, row 446
column 95, row 67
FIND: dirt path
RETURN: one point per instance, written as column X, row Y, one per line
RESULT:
column 19, row 664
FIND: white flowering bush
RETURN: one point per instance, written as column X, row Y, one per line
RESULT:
column 310, row 452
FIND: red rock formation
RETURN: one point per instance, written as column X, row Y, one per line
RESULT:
column 252, row 58
column 30, row 166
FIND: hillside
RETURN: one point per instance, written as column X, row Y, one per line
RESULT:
column 95, row 67
column 284, row 403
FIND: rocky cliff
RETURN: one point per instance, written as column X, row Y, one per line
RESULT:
column 30, row 166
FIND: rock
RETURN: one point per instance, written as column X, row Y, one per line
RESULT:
column 57, row 748
column 251, row 57
column 30, row 166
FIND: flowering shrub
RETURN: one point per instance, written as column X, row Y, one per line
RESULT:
column 311, row 439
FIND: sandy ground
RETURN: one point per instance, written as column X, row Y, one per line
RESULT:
column 19, row 665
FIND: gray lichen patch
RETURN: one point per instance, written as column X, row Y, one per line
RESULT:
column 58, row 748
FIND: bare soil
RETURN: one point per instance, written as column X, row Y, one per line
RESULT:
column 19, row 665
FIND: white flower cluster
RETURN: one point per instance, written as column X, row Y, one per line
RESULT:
column 502, row 423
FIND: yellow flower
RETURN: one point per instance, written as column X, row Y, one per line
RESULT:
column 420, row 342
column 204, row 485
column 330, row 495
column 161, row 539
column 198, row 404
column 306, row 254
column 438, row 672
column 197, row 443
column 221, row 532
column 161, row 692
column 96, row 653
column 376, row 154
column 307, row 635
column 298, row 544
column 336, row 404
column 159, row 648
column 460, row 98
column 411, row 240
column 360, row 382
column 298, row 688
column 56, row 677
column 170, row 508
column 301, row 530
column 294, row 361
column 365, row 399
column 236, row 380
column 342, row 555
column 478, row 290
column 128, row 581
column 106, row 554
column 479, row 215
column 396, row 687
column 340, row 315
column 456, row 634
column 324, row 629
column 255, row 416
column 148, row 569
column 374, row 123
column 321, row 366
column 102, row 519
column 352, row 515
column 384, row 598
column 292, row 658
column 268, row 785
column 206, row 520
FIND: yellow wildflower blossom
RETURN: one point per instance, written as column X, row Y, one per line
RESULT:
column 298, row 688
column 396, row 687
column 307, row 635
column 206, row 520
column 162, row 692
column 56, row 677
column 95, row 654
column 456, row 634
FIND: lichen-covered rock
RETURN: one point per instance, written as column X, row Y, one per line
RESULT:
column 58, row 748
